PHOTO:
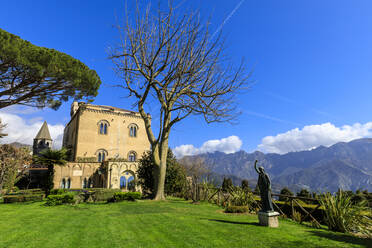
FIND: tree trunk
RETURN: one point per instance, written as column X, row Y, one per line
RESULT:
column 161, row 169
column 159, row 183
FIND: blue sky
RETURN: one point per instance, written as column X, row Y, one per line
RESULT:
column 311, row 63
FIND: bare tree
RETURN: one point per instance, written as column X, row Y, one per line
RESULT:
column 174, row 61
column 196, row 169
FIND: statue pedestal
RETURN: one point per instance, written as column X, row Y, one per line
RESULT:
column 269, row 219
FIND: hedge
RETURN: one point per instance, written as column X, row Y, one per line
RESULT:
column 58, row 191
column 126, row 196
column 236, row 209
column 23, row 198
column 27, row 192
column 53, row 200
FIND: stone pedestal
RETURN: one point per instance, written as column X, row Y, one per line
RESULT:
column 269, row 219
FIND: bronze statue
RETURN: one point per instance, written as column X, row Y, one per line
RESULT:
column 264, row 184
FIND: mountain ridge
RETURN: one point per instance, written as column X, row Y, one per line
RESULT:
column 346, row 165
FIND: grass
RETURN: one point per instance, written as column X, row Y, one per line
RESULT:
column 173, row 223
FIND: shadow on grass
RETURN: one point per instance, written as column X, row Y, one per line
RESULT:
column 235, row 222
column 341, row 237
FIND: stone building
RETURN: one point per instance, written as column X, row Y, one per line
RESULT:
column 104, row 144
column 42, row 140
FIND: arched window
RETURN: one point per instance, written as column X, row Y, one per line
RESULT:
column 68, row 185
column 85, row 183
column 133, row 130
column 90, row 184
column 103, row 126
column 101, row 155
column 63, row 183
column 132, row 156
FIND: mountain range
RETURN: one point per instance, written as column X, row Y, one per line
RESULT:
column 345, row 165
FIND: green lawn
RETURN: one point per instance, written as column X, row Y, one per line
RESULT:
column 173, row 223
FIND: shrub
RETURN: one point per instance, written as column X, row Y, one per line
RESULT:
column 296, row 216
column 23, row 198
column 126, row 196
column 226, row 184
column 104, row 194
column 236, row 209
column 53, row 200
column 285, row 191
column 26, row 192
column 58, row 191
column 342, row 215
column 240, row 197
column 245, row 185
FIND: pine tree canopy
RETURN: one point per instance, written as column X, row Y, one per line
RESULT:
column 39, row 77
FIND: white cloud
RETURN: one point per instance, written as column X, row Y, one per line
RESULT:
column 230, row 144
column 313, row 136
column 23, row 131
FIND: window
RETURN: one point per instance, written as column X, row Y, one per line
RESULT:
column 133, row 130
column 103, row 126
column 101, row 155
column 63, row 183
column 132, row 156
column 68, row 185
column 85, row 183
column 127, row 181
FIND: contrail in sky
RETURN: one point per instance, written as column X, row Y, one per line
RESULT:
column 227, row 18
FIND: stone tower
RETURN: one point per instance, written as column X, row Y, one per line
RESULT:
column 42, row 140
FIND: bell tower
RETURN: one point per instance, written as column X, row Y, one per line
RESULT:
column 42, row 140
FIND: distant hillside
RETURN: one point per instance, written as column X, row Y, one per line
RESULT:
column 343, row 165
column 19, row 145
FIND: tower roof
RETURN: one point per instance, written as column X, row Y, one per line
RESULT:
column 43, row 132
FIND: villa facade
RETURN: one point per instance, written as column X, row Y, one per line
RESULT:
column 104, row 144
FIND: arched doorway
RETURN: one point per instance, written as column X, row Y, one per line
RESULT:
column 127, row 181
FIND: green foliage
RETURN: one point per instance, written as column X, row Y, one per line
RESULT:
column 50, row 158
column 245, row 185
column 342, row 215
column 58, row 191
column 226, row 184
column 285, row 191
column 12, row 161
column 126, row 196
column 236, row 209
column 39, row 76
column 240, row 197
column 103, row 195
column 304, row 193
column 175, row 177
column 26, row 192
column 296, row 216
column 23, row 198
column 53, row 200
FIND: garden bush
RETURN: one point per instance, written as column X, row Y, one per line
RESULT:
column 126, row 196
column 236, row 209
column 23, row 198
column 240, row 197
column 53, row 200
column 101, row 195
column 343, row 215
column 58, row 191
column 26, row 192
